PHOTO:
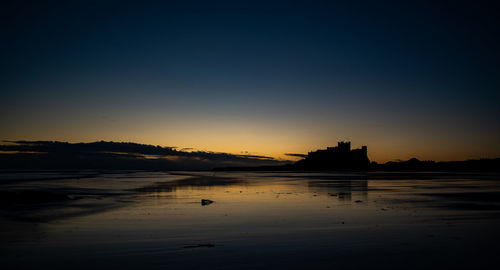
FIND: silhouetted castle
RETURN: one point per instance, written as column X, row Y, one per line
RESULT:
column 336, row 158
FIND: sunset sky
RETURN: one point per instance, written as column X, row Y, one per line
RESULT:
column 258, row 77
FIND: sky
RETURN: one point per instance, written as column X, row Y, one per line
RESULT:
column 414, row 79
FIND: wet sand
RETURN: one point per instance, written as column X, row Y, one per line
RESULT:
column 89, row 220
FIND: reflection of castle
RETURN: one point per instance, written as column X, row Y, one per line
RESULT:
column 336, row 158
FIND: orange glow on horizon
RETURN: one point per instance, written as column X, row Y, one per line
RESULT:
column 268, row 139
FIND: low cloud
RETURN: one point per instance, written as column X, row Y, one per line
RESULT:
column 117, row 155
column 296, row 155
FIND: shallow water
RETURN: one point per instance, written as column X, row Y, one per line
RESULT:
column 257, row 220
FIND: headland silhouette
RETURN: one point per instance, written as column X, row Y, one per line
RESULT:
column 343, row 158
column 53, row 155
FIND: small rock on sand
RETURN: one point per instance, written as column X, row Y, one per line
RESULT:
column 206, row 202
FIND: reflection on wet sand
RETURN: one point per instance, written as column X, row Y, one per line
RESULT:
column 280, row 220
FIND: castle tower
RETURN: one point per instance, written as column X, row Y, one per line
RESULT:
column 344, row 147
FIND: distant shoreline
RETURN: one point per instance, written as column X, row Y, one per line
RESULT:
column 412, row 165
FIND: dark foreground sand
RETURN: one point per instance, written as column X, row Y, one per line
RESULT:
column 143, row 220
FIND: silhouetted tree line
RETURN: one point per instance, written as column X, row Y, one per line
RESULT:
column 429, row 165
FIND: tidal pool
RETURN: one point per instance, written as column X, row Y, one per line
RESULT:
column 280, row 220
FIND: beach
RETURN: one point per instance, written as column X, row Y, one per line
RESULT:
column 250, row 220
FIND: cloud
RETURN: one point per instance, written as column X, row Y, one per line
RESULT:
column 117, row 155
column 295, row 155
column 257, row 157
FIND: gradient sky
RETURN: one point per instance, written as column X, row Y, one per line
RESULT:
column 407, row 79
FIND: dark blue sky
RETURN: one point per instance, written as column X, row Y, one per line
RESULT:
column 272, row 77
